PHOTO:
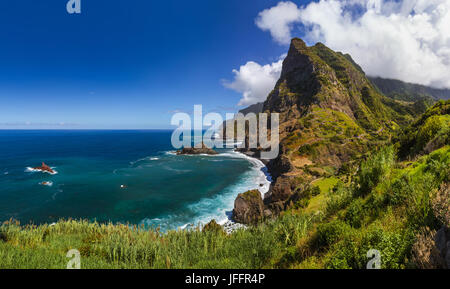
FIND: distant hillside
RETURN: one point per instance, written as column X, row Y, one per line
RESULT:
column 428, row 133
column 254, row 108
column 408, row 91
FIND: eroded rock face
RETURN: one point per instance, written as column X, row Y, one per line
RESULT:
column 442, row 241
column 279, row 166
column 248, row 207
column 281, row 191
column 327, row 109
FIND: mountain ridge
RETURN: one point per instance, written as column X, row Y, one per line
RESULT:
column 331, row 114
column 401, row 90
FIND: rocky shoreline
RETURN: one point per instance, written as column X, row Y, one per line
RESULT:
column 250, row 207
column 240, row 212
column 243, row 211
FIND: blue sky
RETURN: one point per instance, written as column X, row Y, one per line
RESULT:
column 123, row 64
column 131, row 64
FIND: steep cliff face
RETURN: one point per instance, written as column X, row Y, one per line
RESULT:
column 330, row 115
column 319, row 77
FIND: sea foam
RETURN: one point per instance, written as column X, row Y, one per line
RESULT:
column 219, row 207
column 33, row 170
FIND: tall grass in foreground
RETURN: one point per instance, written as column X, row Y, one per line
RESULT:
column 121, row 246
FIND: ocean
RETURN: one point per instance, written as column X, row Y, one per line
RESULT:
column 119, row 176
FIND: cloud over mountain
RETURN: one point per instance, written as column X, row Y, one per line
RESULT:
column 255, row 81
column 407, row 40
column 278, row 21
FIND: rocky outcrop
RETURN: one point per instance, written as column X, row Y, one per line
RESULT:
column 254, row 108
column 431, row 249
column 248, row 207
column 197, row 151
column 279, row 166
column 442, row 239
column 45, row 168
column 329, row 113
column 213, row 227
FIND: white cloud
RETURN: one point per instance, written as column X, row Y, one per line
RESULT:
column 407, row 40
column 278, row 20
column 255, row 81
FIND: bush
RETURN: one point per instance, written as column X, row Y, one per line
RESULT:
column 315, row 191
column 400, row 190
column 355, row 213
column 418, row 205
column 339, row 198
column 302, row 197
column 330, row 233
column 373, row 170
column 351, row 252
column 302, row 204
column 213, row 227
column 395, row 247
column 291, row 228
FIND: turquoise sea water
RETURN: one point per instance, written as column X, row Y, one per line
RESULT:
column 119, row 176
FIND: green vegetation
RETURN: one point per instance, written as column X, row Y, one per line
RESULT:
column 386, row 217
column 121, row 246
column 407, row 91
column 326, row 184
column 354, row 177
column 429, row 132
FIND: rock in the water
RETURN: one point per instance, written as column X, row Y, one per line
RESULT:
column 45, row 168
column 248, row 207
column 197, row 151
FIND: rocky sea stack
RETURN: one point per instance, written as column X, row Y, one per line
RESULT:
column 45, row 168
column 248, row 207
column 197, row 151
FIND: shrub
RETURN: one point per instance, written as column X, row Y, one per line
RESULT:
column 302, row 197
column 291, row 228
column 375, row 205
column 355, row 213
column 351, row 252
column 302, row 204
column 329, row 233
column 373, row 170
column 394, row 247
column 418, row 205
column 213, row 227
column 400, row 190
column 315, row 191
column 339, row 198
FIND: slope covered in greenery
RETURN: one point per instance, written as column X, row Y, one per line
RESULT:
column 430, row 131
column 384, row 204
column 408, row 91
column 357, row 170
column 331, row 116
